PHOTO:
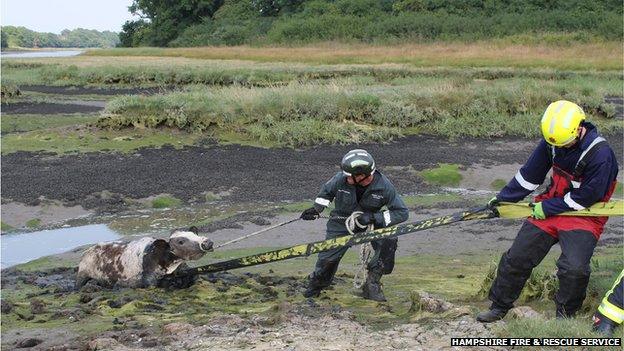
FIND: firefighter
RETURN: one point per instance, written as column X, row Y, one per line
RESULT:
column 610, row 313
column 584, row 171
column 358, row 187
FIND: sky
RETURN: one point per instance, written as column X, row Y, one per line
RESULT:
column 55, row 15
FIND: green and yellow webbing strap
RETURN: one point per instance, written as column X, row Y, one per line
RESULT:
column 522, row 210
column 343, row 241
column 506, row 210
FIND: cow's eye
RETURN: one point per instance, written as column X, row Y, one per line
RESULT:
column 180, row 242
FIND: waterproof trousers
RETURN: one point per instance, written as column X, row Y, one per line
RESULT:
column 528, row 250
column 327, row 262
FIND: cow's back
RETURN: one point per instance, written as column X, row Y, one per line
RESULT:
column 116, row 263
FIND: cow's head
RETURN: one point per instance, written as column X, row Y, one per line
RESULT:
column 187, row 245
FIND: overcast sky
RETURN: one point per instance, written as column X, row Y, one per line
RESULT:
column 56, row 15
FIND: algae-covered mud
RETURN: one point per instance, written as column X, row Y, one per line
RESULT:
column 437, row 287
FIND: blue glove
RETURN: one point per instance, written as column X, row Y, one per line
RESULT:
column 538, row 211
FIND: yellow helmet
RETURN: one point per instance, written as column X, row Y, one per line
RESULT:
column 561, row 121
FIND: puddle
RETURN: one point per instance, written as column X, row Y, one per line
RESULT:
column 20, row 248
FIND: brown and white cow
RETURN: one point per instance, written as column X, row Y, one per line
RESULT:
column 140, row 263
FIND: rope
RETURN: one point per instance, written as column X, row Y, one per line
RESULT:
column 366, row 249
column 256, row 233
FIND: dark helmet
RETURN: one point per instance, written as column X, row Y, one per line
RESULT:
column 356, row 162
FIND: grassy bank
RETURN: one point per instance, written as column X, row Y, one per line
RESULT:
column 132, row 71
column 327, row 93
column 574, row 56
column 360, row 109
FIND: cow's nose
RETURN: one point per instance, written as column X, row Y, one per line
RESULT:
column 206, row 245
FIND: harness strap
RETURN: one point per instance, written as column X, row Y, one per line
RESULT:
column 588, row 154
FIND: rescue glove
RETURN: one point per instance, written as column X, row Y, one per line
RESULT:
column 538, row 211
column 365, row 219
column 492, row 206
column 310, row 214
column 493, row 202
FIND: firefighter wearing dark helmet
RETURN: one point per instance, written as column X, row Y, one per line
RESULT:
column 358, row 187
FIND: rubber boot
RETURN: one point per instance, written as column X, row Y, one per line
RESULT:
column 313, row 289
column 371, row 289
column 603, row 325
column 561, row 313
column 492, row 315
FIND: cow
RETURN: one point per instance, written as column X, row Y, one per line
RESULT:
column 140, row 263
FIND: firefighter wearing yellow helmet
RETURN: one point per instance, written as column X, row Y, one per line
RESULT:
column 561, row 121
column 584, row 171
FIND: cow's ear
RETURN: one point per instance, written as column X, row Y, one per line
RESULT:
column 194, row 229
column 161, row 245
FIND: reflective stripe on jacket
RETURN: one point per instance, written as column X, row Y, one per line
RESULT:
column 378, row 194
column 611, row 306
column 567, row 191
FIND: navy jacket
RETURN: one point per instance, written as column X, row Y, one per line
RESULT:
column 599, row 174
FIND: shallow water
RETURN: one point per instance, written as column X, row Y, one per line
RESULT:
column 40, row 54
column 20, row 248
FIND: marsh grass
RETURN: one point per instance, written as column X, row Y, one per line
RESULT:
column 165, row 202
column 33, row 223
column 4, row 227
column 543, row 283
column 500, row 53
column 61, row 140
column 444, row 174
column 129, row 71
column 24, row 123
column 341, row 111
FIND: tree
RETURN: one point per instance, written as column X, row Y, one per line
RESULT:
column 167, row 19
column 132, row 33
column 4, row 40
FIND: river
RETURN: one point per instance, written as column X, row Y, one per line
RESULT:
column 40, row 54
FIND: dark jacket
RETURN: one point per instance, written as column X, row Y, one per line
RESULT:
column 597, row 179
column 378, row 194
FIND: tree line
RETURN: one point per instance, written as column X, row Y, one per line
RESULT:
column 236, row 22
column 77, row 38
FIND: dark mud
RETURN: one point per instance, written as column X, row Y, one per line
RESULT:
column 246, row 174
column 46, row 108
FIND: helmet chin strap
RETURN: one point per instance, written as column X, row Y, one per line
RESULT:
column 364, row 182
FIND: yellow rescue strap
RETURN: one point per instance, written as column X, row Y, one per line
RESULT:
column 522, row 210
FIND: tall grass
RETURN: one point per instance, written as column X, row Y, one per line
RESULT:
column 498, row 53
column 344, row 111
column 133, row 72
